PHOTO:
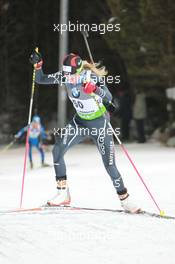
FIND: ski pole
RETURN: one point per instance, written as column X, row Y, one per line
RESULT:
column 85, row 36
column 28, row 131
column 162, row 213
column 8, row 146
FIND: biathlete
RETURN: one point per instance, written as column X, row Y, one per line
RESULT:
column 82, row 79
column 36, row 136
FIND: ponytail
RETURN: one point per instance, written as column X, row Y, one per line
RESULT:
column 95, row 68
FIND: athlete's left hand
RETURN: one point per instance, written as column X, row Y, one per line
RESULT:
column 16, row 136
column 36, row 60
column 89, row 87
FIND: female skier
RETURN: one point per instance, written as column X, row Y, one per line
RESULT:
column 82, row 80
column 36, row 135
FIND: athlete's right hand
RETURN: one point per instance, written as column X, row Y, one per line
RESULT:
column 36, row 60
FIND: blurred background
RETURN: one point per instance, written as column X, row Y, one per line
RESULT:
column 142, row 53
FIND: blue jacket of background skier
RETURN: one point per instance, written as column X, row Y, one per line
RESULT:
column 36, row 133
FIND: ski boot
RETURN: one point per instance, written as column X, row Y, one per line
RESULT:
column 128, row 205
column 31, row 164
column 62, row 197
column 43, row 164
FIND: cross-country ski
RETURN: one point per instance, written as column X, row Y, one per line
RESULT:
column 58, row 209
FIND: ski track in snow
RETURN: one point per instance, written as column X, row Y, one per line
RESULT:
column 88, row 236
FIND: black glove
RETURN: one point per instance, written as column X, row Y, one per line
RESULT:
column 35, row 57
column 112, row 107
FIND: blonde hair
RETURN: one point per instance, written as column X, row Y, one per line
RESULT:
column 95, row 68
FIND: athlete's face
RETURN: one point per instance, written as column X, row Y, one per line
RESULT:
column 35, row 124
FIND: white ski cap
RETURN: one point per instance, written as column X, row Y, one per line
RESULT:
column 36, row 119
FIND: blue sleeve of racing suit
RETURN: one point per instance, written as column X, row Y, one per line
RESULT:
column 43, row 133
column 21, row 131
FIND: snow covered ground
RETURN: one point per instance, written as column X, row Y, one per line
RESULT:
column 87, row 236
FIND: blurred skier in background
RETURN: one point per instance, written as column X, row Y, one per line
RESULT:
column 140, row 114
column 125, row 113
column 36, row 136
